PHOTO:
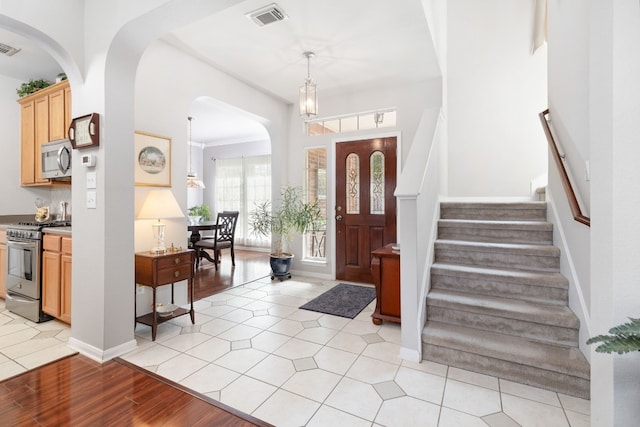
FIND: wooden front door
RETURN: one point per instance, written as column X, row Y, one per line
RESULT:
column 365, row 208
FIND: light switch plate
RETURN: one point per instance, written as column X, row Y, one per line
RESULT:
column 91, row 200
column 91, row 180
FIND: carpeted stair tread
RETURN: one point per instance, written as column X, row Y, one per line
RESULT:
column 482, row 223
column 498, row 255
column 507, row 308
column 524, row 211
column 516, row 248
column 535, row 232
column 539, row 278
column 563, row 360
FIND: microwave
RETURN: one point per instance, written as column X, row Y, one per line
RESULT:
column 56, row 159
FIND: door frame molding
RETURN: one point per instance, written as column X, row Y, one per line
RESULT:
column 331, row 219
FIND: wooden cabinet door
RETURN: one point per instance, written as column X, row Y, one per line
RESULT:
column 57, row 120
column 51, row 283
column 3, row 263
column 67, row 110
column 65, row 287
column 41, row 134
column 27, row 142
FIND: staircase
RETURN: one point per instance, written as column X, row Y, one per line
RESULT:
column 498, row 304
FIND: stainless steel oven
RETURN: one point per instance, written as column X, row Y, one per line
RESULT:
column 24, row 269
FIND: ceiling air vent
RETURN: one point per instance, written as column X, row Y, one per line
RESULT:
column 8, row 50
column 267, row 15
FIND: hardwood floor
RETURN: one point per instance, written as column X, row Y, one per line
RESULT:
column 76, row 391
column 250, row 266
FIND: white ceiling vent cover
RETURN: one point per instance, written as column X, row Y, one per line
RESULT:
column 8, row 50
column 267, row 15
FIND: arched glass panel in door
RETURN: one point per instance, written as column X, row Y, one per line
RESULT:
column 353, row 183
column 376, row 192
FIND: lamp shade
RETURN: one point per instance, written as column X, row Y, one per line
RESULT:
column 160, row 204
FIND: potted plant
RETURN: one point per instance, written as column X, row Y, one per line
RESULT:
column 199, row 213
column 624, row 338
column 293, row 215
column 32, row 86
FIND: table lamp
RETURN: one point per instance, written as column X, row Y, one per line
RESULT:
column 160, row 204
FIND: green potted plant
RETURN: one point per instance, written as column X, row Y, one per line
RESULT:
column 199, row 213
column 624, row 338
column 32, row 86
column 294, row 215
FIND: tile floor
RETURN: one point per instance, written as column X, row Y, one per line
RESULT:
column 254, row 350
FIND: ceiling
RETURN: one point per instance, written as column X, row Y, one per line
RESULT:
column 358, row 44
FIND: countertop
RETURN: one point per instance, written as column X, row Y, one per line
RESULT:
column 65, row 231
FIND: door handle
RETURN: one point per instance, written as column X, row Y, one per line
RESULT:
column 338, row 217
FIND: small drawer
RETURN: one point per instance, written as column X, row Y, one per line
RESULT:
column 173, row 261
column 176, row 274
column 51, row 242
column 66, row 245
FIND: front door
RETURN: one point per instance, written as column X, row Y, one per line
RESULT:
column 365, row 208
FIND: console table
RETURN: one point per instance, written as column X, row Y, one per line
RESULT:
column 385, row 269
column 154, row 270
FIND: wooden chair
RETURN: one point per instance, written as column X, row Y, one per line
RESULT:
column 223, row 238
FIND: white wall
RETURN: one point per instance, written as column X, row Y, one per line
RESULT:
column 594, row 88
column 496, row 88
column 614, row 91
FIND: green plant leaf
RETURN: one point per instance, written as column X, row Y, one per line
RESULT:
column 624, row 338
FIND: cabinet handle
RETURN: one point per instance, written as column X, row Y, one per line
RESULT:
column 177, row 261
column 176, row 274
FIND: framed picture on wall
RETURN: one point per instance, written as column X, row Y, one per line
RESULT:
column 152, row 160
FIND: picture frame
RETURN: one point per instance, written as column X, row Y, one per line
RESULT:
column 152, row 160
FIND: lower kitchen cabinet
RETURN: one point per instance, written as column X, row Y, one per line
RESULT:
column 3, row 263
column 56, row 276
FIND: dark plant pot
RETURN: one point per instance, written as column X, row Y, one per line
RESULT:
column 280, row 266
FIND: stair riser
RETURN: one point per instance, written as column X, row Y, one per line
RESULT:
column 531, row 375
column 491, row 214
column 487, row 286
column 495, row 235
column 510, row 326
column 497, row 259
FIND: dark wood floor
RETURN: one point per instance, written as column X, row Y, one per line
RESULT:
column 76, row 391
column 250, row 266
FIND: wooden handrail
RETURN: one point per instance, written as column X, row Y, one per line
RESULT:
column 564, row 177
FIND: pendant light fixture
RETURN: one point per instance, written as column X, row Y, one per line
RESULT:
column 308, row 93
column 192, row 180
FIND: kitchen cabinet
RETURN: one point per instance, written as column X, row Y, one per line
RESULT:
column 3, row 263
column 45, row 117
column 56, row 276
column 155, row 270
column 385, row 269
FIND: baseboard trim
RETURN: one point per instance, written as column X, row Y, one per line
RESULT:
column 98, row 355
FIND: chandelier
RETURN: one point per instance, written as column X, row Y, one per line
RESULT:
column 192, row 180
column 308, row 93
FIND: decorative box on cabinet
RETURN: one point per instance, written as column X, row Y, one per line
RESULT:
column 154, row 270
column 56, row 276
column 45, row 117
column 385, row 269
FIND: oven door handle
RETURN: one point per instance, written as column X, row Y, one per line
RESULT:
column 22, row 244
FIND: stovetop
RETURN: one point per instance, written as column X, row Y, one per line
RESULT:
column 41, row 225
column 31, row 230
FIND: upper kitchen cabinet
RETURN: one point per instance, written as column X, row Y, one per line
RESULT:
column 45, row 116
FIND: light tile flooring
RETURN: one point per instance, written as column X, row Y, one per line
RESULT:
column 254, row 350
